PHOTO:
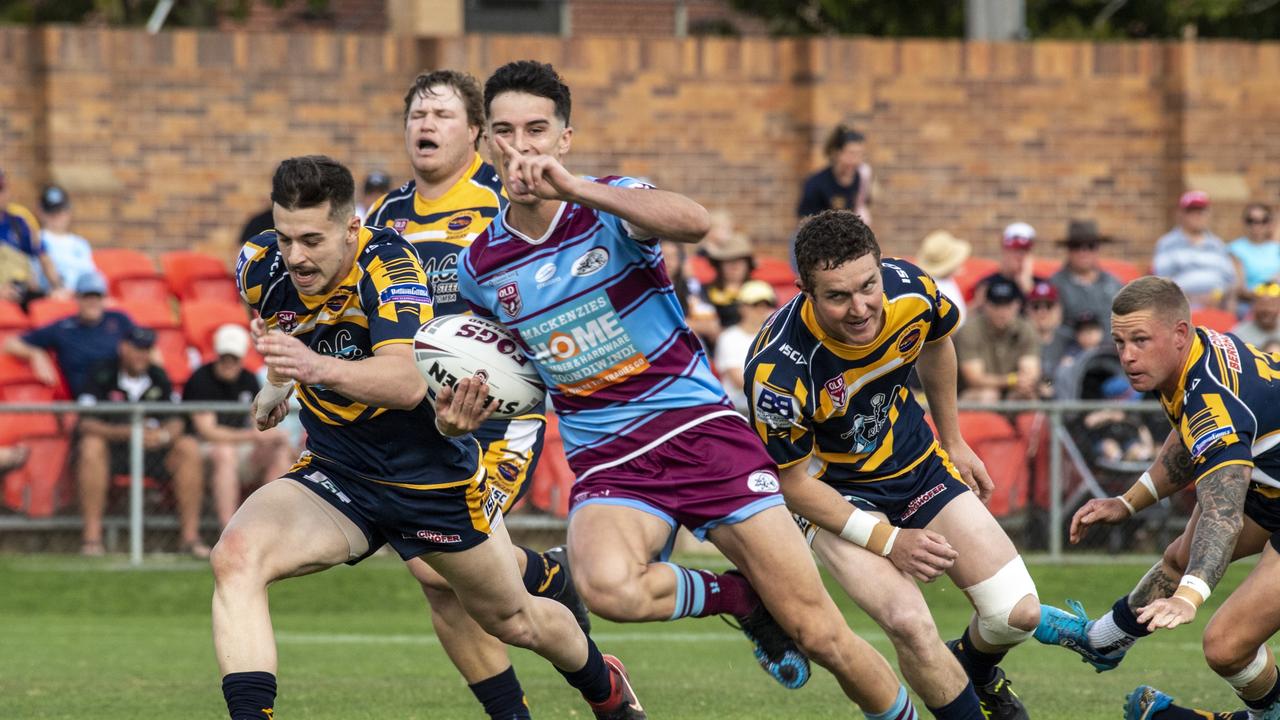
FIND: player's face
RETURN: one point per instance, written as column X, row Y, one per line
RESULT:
column 436, row 135
column 133, row 359
column 528, row 123
column 1150, row 348
column 848, row 300
column 317, row 250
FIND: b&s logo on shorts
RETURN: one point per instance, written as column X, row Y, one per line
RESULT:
column 509, row 299
column 435, row 536
column 838, row 391
column 762, row 481
column 287, row 321
column 909, row 340
column 399, row 225
column 592, row 261
column 405, row 292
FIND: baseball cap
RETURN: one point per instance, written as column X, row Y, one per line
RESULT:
column 1002, row 291
column 91, row 284
column 377, row 181
column 1019, row 236
column 1085, row 319
column 141, row 337
column 1043, row 292
column 231, row 339
column 1194, row 200
column 757, row 291
column 54, row 199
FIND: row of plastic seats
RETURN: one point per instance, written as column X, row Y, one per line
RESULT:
column 185, row 274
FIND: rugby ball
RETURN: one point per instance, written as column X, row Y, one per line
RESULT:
column 452, row 347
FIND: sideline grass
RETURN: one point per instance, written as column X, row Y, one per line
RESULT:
column 96, row 639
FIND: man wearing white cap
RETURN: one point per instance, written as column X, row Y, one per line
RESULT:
column 230, row 437
column 1196, row 259
column 1015, row 263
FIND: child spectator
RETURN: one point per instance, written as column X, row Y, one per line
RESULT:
column 733, row 262
column 71, row 254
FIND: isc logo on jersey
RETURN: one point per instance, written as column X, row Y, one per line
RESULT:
column 593, row 333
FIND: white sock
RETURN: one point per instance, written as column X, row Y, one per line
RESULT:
column 1107, row 638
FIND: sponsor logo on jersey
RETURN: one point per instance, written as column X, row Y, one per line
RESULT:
column 838, row 391
column 458, row 223
column 762, row 481
column 399, row 225
column 776, row 410
column 406, row 293
column 1204, row 442
column 545, row 273
column 287, row 321
column 909, row 340
column 1228, row 348
column 592, row 261
column 792, row 354
column 337, row 301
column 509, row 299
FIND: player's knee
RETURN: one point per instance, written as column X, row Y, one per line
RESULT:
column 613, row 595
column 1001, row 602
column 910, row 625
column 1226, row 654
column 513, row 628
column 233, row 557
column 820, row 641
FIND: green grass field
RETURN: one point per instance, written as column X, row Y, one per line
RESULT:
column 98, row 640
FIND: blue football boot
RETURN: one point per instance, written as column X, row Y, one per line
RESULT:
column 776, row 652
column 1144, row 702
column 1071, row 631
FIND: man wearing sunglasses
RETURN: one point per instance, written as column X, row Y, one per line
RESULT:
column 1083, row 286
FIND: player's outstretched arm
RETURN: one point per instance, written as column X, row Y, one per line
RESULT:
column 389, row 379
column 1220, row 495
column 1171, row 471
column 937, row 368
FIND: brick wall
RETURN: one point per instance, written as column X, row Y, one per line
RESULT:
column 169, row 141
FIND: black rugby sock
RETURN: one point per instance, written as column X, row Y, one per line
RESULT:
column 542, row 575
column 593, row 679
column 978, row 665
column 250, row 695
column 502, row 696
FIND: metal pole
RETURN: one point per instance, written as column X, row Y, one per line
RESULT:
column 1055, row 484
column 135, row 487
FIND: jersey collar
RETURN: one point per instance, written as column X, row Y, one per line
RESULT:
column 423, row 207
column 843, row 349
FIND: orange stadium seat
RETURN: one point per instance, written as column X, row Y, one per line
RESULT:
column 1214, row 319
column 1004, row 452
column 47, row 310
column 131, row 274
column 701, row 269
column 1045, row 267
column 33, row 488
column 200, row 318
column 973, row 270
column 198, row 276
column 13, row 321
column 773, row 271
column 1124, row 271
column 552, row 479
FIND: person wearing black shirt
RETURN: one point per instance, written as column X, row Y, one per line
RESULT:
column 103, row 444
column 845, row 184
column 229, row 435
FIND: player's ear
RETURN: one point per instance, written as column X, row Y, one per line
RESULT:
column 566, row 139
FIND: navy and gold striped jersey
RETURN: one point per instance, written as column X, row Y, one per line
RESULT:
column 1226, row 408
column 439, row 229
column 845, row 409
column 382, row 301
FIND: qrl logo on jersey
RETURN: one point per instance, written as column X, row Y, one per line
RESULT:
column 509, row 299
column 287, row 321
column 837, row 390
column 400, row 225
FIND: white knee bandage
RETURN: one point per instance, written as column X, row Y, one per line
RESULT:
column 1253, row 670
column 995, row 599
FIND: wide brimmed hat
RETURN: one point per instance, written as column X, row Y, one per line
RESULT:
column 942, row 253
column 736, row 247
column 1080, row 231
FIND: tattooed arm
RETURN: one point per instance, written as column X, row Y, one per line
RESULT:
column 1220, row 496
column 1173, row 469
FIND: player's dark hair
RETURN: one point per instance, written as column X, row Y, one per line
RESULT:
column 830, row 239
column 1152, row 293
column 534, row 78
column 467, row 87
column 312, row 180
column 840, row 136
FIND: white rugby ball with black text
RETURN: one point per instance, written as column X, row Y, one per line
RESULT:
column 452, row 347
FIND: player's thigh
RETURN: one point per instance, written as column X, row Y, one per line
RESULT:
column 485, row 577
column 425, row 574
column 890, row 597
column 1251, row 614
column 283, row 530
column 981, row 545
column 612, row 544
column 771, row 551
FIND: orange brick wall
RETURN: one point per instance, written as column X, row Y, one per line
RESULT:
column 169, row 141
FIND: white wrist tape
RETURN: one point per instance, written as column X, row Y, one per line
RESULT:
column 1191, row 588
column 1149, row 484
column 1128, row 505
column 270, row 396
column 870, row 532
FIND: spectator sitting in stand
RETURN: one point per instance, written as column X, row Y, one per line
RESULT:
column 1083, row 286
column 941, row 255
column 845, row 184
column 998, row 349
column 1263, row 325
column 1045, row 313
column 80, row 341
column 756, row 302
column 20, row 247
column 1257, row 252
column 103, row 445
column 700, row 316
column 376, row 184
column 231, row 437
column 1195, row 258
column 70, row 253
column 733, row 263
column 1015, row 263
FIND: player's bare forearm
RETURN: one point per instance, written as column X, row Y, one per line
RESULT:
column 1220, row 496
column 667, row 215
column 1154, row 585
column 389, row 379
column 1173, row 469
column 814, row 500
column 937, row 367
